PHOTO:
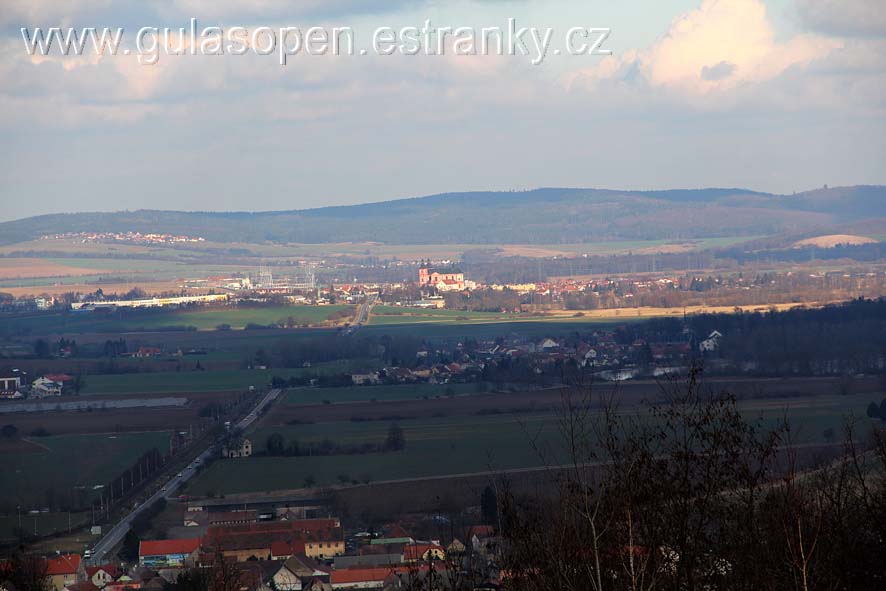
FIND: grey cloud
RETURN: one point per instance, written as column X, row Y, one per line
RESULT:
column 718, row 71
column 844, row 17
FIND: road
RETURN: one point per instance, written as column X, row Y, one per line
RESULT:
column 115, row 535
column 362, row 316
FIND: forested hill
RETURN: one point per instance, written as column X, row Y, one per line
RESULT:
column 540, row 216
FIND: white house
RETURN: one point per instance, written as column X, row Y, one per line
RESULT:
column 712, row 343
column 359, row 379
column 548, row 344
column 44, row 387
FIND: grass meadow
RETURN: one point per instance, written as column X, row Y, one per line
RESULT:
column 69, row 461
column 304, row 396
column 219, row 380
column 450, row 445
column 203, row 318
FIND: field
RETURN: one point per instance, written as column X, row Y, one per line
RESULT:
column 206, row 318
column 377, row 249
column 188, row 381
column 70, row 461
column 392, row 315
column 454, row 436
column 313, row 396
column 435, row 447
column 403, row 315
column 217, row 379
column 27, row 268
column 118, row 420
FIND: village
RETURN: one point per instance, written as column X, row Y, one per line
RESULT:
column 608, row 355
column 277, row 549
column 443, row 284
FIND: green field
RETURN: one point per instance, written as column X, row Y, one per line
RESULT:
column 466, row 444
column 202, row 381
column 42, row 524
column 184, row 381
column 145, row 320
column 431, row 322
column 434, row 446
column 71, row 461
column 300, row 396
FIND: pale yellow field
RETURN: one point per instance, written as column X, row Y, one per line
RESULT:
column 24, row 268
column 151, row 288
column 832, row 240
column 650, row 312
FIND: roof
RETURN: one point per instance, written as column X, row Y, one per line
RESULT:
column 59, row 377
column 417, row 551
column 108, row 568
column 233, row 516
column 280, row 548
column 254, row 572
column 164, row 547
column 305, row 525
column 480, row 531
column 302, row 565
column 359, row 575
column 65, row 564
column 367, row 560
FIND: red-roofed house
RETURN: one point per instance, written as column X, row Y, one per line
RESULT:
column 423, row 552
column 61, row 378
column 102, row 575
column 318, row 538
column 360, row 578
column 396, row 531
column 63, row 570
column 281, row 550
column 125, row 583
column 168, row 553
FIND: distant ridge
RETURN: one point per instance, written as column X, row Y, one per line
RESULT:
column 540, row 216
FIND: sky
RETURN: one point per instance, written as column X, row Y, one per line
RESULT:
column 770, row 95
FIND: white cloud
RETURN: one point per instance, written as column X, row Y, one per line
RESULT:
column 717, row 48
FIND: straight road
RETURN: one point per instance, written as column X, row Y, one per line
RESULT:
column 115, row 535
column 362, row 316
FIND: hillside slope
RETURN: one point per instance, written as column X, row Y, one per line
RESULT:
column 541, row 216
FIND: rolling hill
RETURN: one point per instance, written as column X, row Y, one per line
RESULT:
column 541, row 216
